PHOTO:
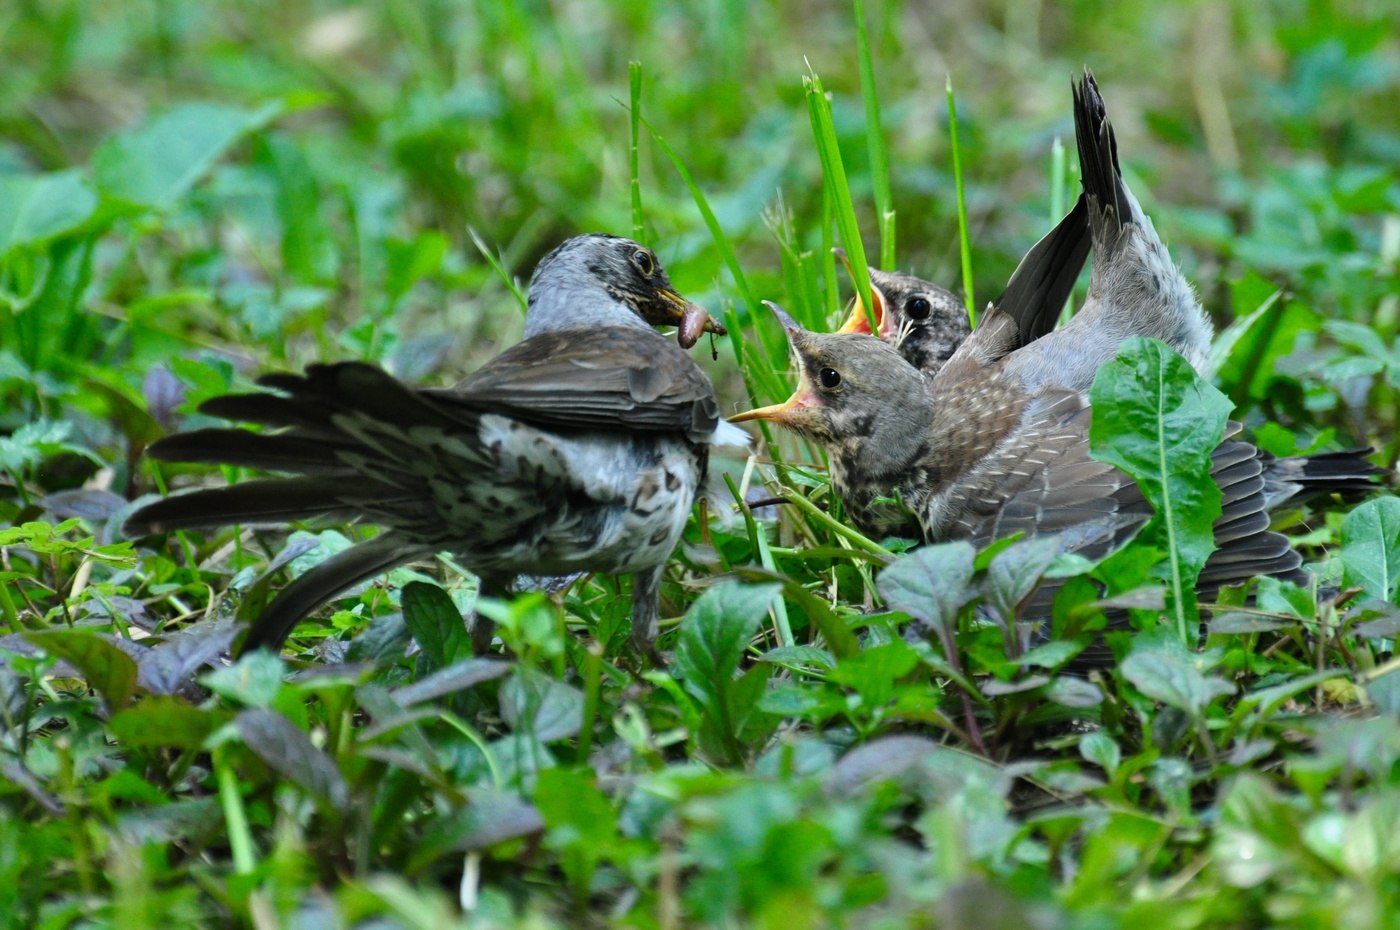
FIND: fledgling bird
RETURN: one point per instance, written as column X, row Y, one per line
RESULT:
column 974, row 455
column 579, row 449
column 927, row 323
column 1135, row 289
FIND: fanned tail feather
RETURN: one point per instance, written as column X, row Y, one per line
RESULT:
column 320, row 584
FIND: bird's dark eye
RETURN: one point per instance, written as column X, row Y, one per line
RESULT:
column 829, row 378
column 645, row 262
column 917, row 308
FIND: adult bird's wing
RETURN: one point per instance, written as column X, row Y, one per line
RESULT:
column 613, row 378
column 1043, row 280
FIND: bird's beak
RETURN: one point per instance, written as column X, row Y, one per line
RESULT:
column 782, row 414
column 802, row 399
column 691, row 319
column 859, row 320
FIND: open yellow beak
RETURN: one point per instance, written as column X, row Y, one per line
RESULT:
column 859, row 320
column 780, row 413
column 802, row 398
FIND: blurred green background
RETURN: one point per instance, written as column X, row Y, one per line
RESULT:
column 192, row 192
column 1260, row 137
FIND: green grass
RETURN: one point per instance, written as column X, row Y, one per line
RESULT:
column 192, row 193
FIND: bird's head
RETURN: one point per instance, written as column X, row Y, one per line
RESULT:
column 925, row 322
column 852, row 392
column 603, row 280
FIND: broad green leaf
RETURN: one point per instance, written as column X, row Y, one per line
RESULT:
column 1280, row 596
column 154, row 165
column 409, row 262
column 35, row 208
column 105, row 667
column 290, row 753
column 168, row 667
column 713, row 637
column 1015, row 571
column 581, row 822
column 1238, row 621
column 931, row 585
column 33, row 442
column 872, row 672
column 491, row 816
column 1073, row 692
column 436, row 624
column 534, row 703
column 1157, row 420
column 1165, row 671
column 165, row 721
column 1099, row 748
column 254, row 680
column 1371, row 547
column 887, row 758
column 459, row 676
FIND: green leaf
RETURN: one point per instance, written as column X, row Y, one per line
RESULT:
column 1371, row 547
column 154, row 165
column 1015, row 571
column 714, row 634
column 581, row 822
column 34, row 442
column 534, row 703
column 1099, row 748
column 164, row 721
column 459, row 676
column 108, row 670
column 1161, row 668
column 436, row 624
column 290, row 753
column 1157, row 420
column 872, row 672
column 254, row 680
column 931, row 585
column 407, row 263
column 35, row 208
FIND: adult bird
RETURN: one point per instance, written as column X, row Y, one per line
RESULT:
column 579, row 449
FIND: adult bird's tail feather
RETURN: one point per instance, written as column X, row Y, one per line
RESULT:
column 318, row 585
column 259, row 501
column 344, row 442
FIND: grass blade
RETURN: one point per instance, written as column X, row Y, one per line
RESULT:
column 495, row 262
column 634, row 78
column 875, row 142
column 965, row 245
column 834, row 181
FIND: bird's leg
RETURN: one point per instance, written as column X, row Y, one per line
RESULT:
column 483, row 629
column 646, row 612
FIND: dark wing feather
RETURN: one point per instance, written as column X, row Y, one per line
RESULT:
column 609, row 378
column 1043, row 280
column 260, row 501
